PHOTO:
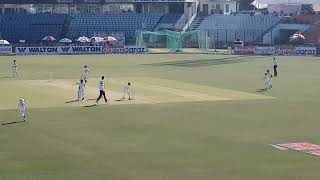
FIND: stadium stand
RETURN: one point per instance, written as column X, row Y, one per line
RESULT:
column 1, row 26
column 15, row 27
column 228, row 28
column 168, row 21
column 313, row 33
column 280, row 33
column 33, row 28
column 304, row 19
column 89, row 25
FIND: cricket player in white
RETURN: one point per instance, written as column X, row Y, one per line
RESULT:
column 81, row 90
column 22, row 108
column 127, row 91
column 266, row 81
column 85, row 74
column 269, row 80
column 14, row 68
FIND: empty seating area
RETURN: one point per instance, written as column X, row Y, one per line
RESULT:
column 227, row 28
column 168, row 21
column 31, row 28
column 102, row 24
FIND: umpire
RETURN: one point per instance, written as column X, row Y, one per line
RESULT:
column 102, row 90
column 275, row 67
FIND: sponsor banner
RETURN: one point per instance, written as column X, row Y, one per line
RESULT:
column 306, row 51
column 260, row 50
column 285, row 51
column 126, row 50
column 244, row 50
column 59, row 50
column 5, row 50
column 318, row 51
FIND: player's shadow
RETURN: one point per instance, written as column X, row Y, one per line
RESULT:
column 14, row 122
column 89, row 106
column 72, row 101
column 76, row 100
column 7, row 77
column 119, row 100
column 261, row 90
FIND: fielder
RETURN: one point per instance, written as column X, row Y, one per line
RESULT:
column 81, row 90
column 85, row 73
column 127, row 91
column 14, row 68
column 22, row 108
column 268, row 80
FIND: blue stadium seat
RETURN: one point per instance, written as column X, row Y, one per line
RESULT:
column 33, row 27
column 15, row 27
column 227, row 28
column 128, row 24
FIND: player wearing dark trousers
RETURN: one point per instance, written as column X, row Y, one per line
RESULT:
column 275, row 67
column 102, row 90
column 275, row 70
column 102, row 93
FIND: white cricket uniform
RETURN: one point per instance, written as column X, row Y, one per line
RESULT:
column 22, row 108
column 266, row 82
column 82, row 88
column 269, row 80
column 275, row 62
column 14, row 69
column 85, row 73
column 126, row 90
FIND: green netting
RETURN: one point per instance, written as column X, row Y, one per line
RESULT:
column 172, row 40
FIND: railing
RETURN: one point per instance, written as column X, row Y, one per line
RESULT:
column 189, row 22
column 181, row 22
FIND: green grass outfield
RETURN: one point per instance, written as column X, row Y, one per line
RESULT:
column 194, row 117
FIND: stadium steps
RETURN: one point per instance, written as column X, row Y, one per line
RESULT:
column 66, row 26
column 196, row 23
column 167, row 21
column 259, row 40
column 156, row 28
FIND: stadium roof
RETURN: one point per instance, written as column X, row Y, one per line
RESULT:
column 87, row 1
column 286, row 2
column 260, row 4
